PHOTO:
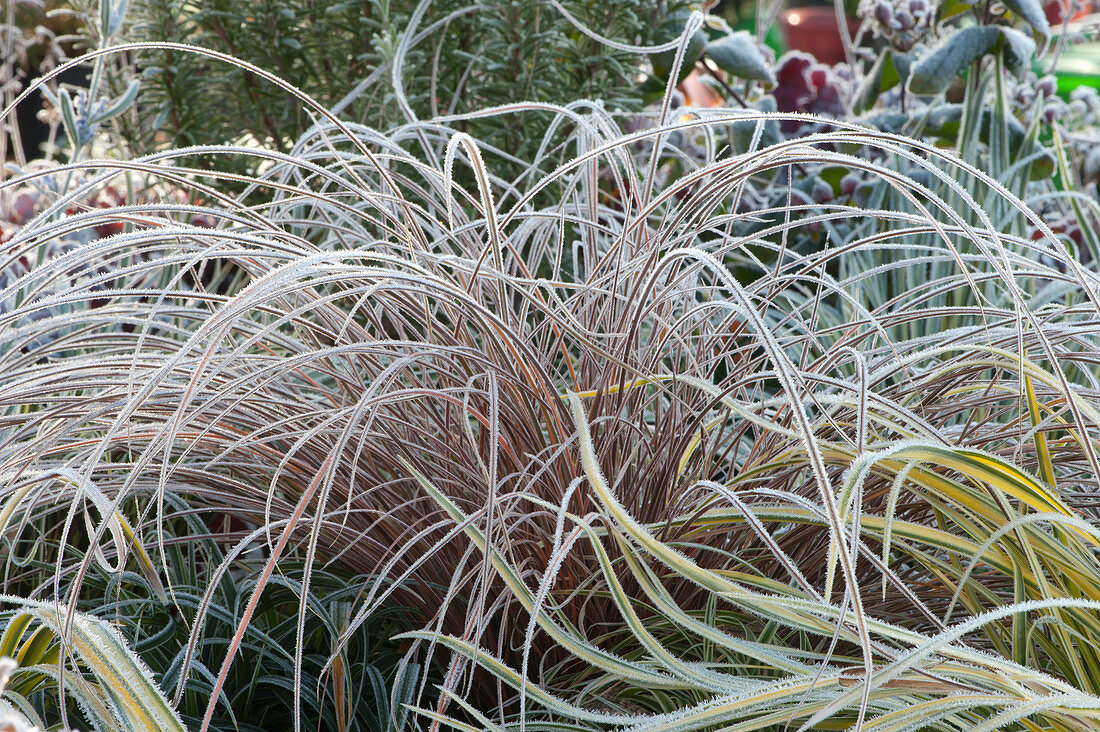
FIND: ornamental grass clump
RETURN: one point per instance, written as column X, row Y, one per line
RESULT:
column 626, row 458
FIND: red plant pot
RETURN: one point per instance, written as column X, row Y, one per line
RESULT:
column 815, row 31
column 1056, row 11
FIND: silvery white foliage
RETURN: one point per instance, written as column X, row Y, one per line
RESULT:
column 57, row 218
column 17, row 291
column 740, row 54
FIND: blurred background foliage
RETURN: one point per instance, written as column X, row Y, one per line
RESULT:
column 473, row 56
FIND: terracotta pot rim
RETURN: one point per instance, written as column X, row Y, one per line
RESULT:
column 815, row 31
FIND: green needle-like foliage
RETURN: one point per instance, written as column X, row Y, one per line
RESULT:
column 445, row 57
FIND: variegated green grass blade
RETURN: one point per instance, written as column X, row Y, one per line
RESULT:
column 136, row 702
column 1042, row 451
column 39, row 649
column 1033, row 551
column 13, row 633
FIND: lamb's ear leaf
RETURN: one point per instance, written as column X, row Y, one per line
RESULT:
column 1032, row 13
column 1019, row 50
column 662, row 62
column 936, row 70
column 739, row 55
column 886, row 121
column 673, row 27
